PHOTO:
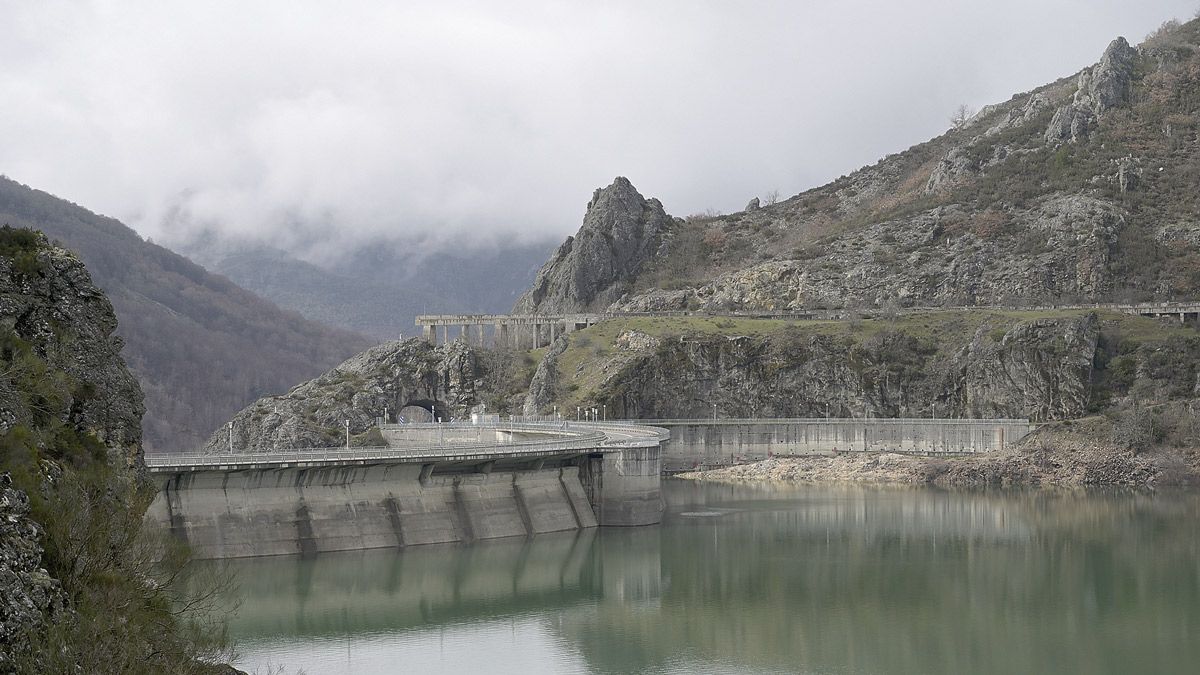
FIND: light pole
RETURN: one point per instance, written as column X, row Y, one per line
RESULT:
column 231, row 437
column 347, row 434
column 714, row 411
column 577, row 413
column 604, row 415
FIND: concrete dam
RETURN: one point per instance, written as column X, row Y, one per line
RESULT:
column 434, row 483
column 444, row 483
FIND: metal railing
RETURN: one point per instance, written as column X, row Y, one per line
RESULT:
column 1171, row 307
column 569, row 436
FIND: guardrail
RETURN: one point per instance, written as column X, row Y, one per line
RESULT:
column 1185, row 306
column 570, row 436
column 580, row 439
column 831, row 420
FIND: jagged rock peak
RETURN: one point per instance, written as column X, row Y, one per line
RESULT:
column 1101, row 87
column 621, row 231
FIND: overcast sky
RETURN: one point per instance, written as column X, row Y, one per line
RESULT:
column 471, row 122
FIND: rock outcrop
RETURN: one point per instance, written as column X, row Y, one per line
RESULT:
column 29, row 597
column 1039, row 369
column 74, row 590
column 1101, row 87
column 48, row 301
column 1042, row 368
column 389, row 376
column 543, row 387
column 621, row 231
column 946, row 256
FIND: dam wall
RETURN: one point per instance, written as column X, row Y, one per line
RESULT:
column 625, row 488
column 699, row 443
column 307, row 510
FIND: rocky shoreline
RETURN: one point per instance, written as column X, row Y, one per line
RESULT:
column 1052, row 457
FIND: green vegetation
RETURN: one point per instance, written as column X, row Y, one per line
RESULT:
column 125, row 615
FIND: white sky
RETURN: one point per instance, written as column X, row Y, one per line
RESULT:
column 466, row 123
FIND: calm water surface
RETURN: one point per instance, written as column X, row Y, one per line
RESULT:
column 762, row 580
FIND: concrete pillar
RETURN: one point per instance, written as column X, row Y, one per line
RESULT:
column 534, row 333
column 427, row 332
column 445, row 335
column 552, row 327
column 502, row 337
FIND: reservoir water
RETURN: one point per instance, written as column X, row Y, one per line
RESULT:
column 745, row 579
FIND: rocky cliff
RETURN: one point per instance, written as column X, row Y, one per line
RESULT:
column 75, row 577
column 1040, row 369
column 621, row 231
column 940, row 364
column 453, row 379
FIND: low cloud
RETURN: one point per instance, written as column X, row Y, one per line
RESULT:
column 319, row 126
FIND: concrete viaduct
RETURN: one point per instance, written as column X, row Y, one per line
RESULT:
column 521, row 331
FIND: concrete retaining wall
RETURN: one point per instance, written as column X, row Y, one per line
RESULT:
column 231, row 514
column 625, row 488
column 694, row 443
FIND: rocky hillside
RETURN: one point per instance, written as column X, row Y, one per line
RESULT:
column 395, row 377
column 1044, row 366
column 1081, row 190
column 76, row 593
column 200, row 346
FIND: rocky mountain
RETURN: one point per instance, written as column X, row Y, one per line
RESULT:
column 76, row 588
column 200, row 346
column 1081, row 190
column 379, row 290
column 621, row 231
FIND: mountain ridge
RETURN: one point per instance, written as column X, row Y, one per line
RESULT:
column 201, row 346
column 1086, row 175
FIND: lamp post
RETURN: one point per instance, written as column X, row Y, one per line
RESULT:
column 347, row 422
column 714, row 411
column 577, row 409
column 231, row 437
column 604, row 415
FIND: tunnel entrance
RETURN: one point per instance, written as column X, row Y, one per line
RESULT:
column 422, row 411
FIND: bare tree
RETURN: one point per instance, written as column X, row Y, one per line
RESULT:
column 962, row 114
column 771, row 197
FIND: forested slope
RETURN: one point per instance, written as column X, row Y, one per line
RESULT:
column 201, row 347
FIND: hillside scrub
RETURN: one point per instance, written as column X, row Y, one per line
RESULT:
column 84, row 588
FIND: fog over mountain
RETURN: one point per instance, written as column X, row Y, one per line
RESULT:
column 318, row 128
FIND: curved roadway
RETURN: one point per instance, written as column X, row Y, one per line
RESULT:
column 560, row 438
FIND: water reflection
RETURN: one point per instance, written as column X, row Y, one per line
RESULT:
column 810, row 579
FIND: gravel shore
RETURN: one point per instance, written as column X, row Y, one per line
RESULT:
column 1047, row 457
